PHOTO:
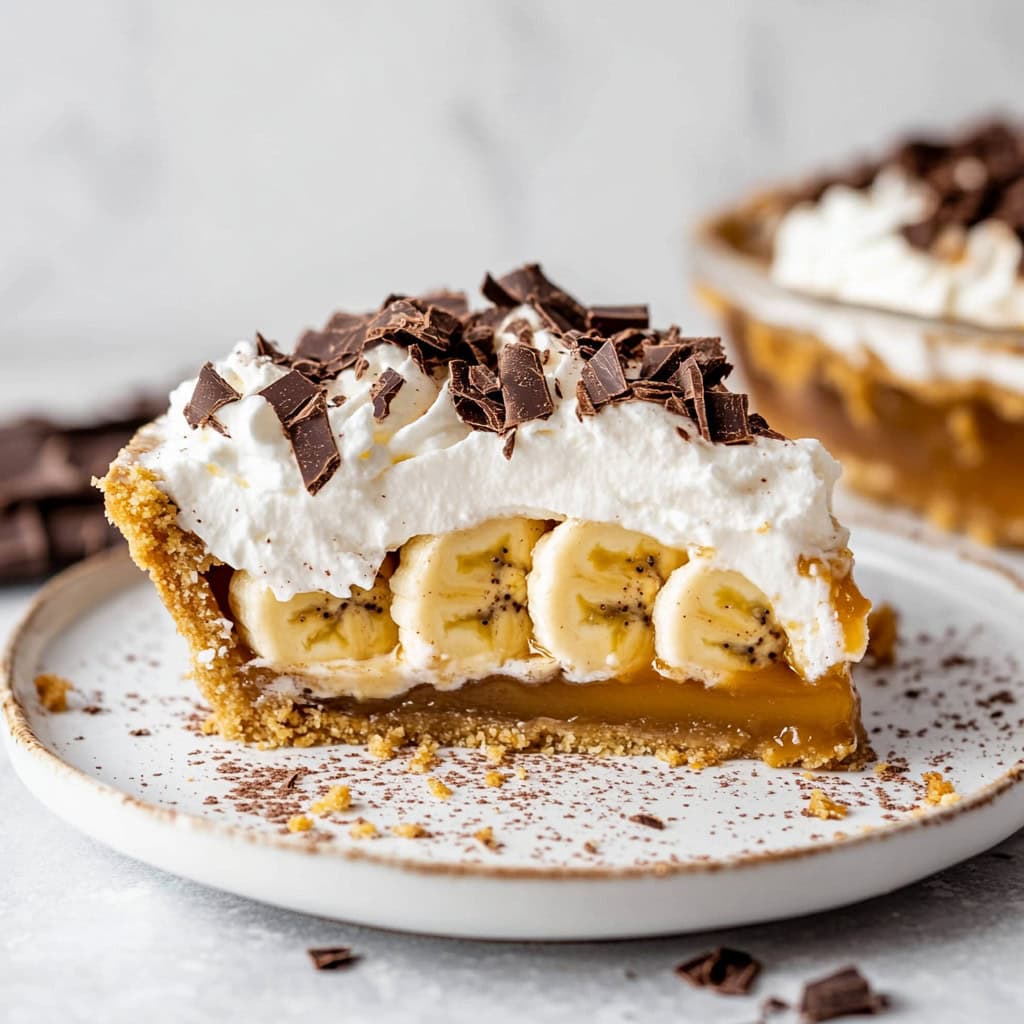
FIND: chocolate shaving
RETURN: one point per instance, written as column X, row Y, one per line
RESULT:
column 647, row 819
column 845, row 992
column 528, row 285
column 602, row 376
column 584, row 406
column 270, row 351
column 730, row 972
column 691, row 380
column 759, row 427
column 484, row 380
column 330, row 958
column 212, row 392
column 509, row 446
column 301, row 406
column 382, row 393
column 611, row 319
column 476, row 409
column 727, row 417
column 661, row 361
column 454, row 303
column 523, row 385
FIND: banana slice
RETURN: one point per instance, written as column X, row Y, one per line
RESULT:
column 711, row 622
column 315, row 627
column 591, row 593
column 460, row 598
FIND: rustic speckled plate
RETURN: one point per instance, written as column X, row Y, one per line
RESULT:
column 129, row 764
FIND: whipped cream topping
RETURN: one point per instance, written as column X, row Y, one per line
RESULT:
column 848, row 246
column 755, row 508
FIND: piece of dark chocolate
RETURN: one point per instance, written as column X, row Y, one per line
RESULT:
column 330, row 958
column 727, row 417
column 610, row 320
column 602, row 376
column 730, row 972
column 523, row 385
column 212, row 392
column 845, row 992
column 383, row 392
column 301, row 406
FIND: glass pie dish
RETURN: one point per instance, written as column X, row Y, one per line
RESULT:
column 924, row 413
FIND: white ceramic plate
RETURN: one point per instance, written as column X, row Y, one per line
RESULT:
column 130, row 765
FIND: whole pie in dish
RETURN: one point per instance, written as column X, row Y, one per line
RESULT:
column 882, row 310
column 539, row 524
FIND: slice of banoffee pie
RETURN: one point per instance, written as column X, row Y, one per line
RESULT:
column 537, row 524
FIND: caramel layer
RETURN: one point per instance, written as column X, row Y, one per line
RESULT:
column 771, row 714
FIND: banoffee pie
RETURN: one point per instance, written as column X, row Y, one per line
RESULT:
column 539, row 523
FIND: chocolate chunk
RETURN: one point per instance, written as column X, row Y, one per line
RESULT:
column 454, row 303
column 661, row 361
column 313, row 442
column 845, row 992
column 647, row 819
column 691, row 380
column 759, row 427
column 523, row 386
column 484, row 380
column 270, row 351
column 730, row 972
column 330, row 958
column 383, row 393
column 475, row 408
column 289, row 395
column 528, row 285
column 727, row 417
column 301, row 406
column 611, row 319
column 24, row 549
column 211, row 393
column 602, row 376
column 403, row 323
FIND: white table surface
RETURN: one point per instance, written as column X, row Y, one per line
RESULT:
column 88, row 935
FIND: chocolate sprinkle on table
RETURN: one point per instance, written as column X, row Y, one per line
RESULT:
column 647, row 819
column 845, row 992
column 383, row 393
column 330, row 958
column 730, row 972
column 211, row 393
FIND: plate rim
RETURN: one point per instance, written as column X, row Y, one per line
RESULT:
column 21, row 739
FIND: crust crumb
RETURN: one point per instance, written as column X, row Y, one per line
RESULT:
column 941, row 792
column 410, row 830
column 520, row 772
column 486, row 836
column 495, row 753
column 339, row 798
column 673, row 758
column 383, row 747
column 882, row 767
column 438, row 788
column 363, row 829
column 883, row 635
column 299, row 823
column 53, row 691
column 494, row 779
column 820, row 806
column 423, row 757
